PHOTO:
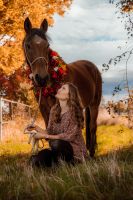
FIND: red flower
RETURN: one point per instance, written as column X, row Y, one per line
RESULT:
column 50, row 90
column 57, row 72
column 54, row 75
column 61, row 71
column 56, row 62
column 53, row 63
column 54, row 53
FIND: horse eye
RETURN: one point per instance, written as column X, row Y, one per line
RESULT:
column 28, row 46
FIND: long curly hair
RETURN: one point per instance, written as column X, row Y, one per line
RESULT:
column 75, row 105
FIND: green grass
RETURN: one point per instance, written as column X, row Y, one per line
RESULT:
column 108, row 176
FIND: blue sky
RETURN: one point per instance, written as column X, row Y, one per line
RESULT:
column 91, row 30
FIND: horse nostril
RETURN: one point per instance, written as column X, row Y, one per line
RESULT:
column 47, row 78
column 38, row 80
column 41, row 81
column 37, row 77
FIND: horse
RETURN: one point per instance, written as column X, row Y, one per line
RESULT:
column 83, row 73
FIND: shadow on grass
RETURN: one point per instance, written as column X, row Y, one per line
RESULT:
column 19, row 159
column 124, row 154
column 95, row 180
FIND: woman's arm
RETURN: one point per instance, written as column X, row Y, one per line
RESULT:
column 40, row 130
column 70, row 133
column 43, row 134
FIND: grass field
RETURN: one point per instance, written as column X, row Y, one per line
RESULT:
column 108, row 176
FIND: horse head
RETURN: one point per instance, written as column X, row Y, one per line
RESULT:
column 36, row 50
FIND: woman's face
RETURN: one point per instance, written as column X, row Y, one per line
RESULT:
column 63, row 92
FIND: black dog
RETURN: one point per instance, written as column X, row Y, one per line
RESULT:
column 60, row 149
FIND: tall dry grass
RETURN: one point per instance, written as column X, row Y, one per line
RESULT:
column 107, row 177
column 13, row 130
column 104, row 118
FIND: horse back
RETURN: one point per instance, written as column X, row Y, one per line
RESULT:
column 86, row 76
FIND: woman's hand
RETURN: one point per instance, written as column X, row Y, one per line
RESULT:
column 34, row 127
column 38, row 129
column 41, row 135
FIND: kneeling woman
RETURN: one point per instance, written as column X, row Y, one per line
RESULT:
column 64, row 130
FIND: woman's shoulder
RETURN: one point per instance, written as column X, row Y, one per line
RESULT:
column 69, row 115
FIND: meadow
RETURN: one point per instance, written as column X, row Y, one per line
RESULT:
column 108, row 176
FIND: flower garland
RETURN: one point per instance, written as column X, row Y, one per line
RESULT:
column 57, row 70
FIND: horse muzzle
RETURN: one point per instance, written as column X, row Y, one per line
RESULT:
column 41, row 81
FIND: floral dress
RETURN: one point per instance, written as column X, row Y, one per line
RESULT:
column 68, row 130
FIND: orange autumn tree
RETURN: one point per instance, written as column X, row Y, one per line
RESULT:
column 127, row 6
column 13, row 13
column 124, row 5
column 125, row 13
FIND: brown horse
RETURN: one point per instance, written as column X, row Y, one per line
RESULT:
column 84, row 74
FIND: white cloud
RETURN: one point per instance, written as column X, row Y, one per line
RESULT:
column 91, row 30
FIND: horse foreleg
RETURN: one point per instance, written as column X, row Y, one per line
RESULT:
column 93, row 128
column 87, row 126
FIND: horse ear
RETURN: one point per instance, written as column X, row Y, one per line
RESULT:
column 27, row 25
column 44, row 25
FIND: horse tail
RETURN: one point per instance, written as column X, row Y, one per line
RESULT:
column 98, row 90
column 87, row 124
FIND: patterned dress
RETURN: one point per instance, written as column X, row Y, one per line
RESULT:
column 68, row 130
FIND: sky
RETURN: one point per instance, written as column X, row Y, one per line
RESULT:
column 91, row 30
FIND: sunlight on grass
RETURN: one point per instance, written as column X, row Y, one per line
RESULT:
column 108, row 138
column 109, row 176
column 113, row 137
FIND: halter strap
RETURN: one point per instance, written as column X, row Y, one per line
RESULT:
column 38, row 59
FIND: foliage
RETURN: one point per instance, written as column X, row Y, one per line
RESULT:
column 12, row 14
column 16, row 86
column 125, row 13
